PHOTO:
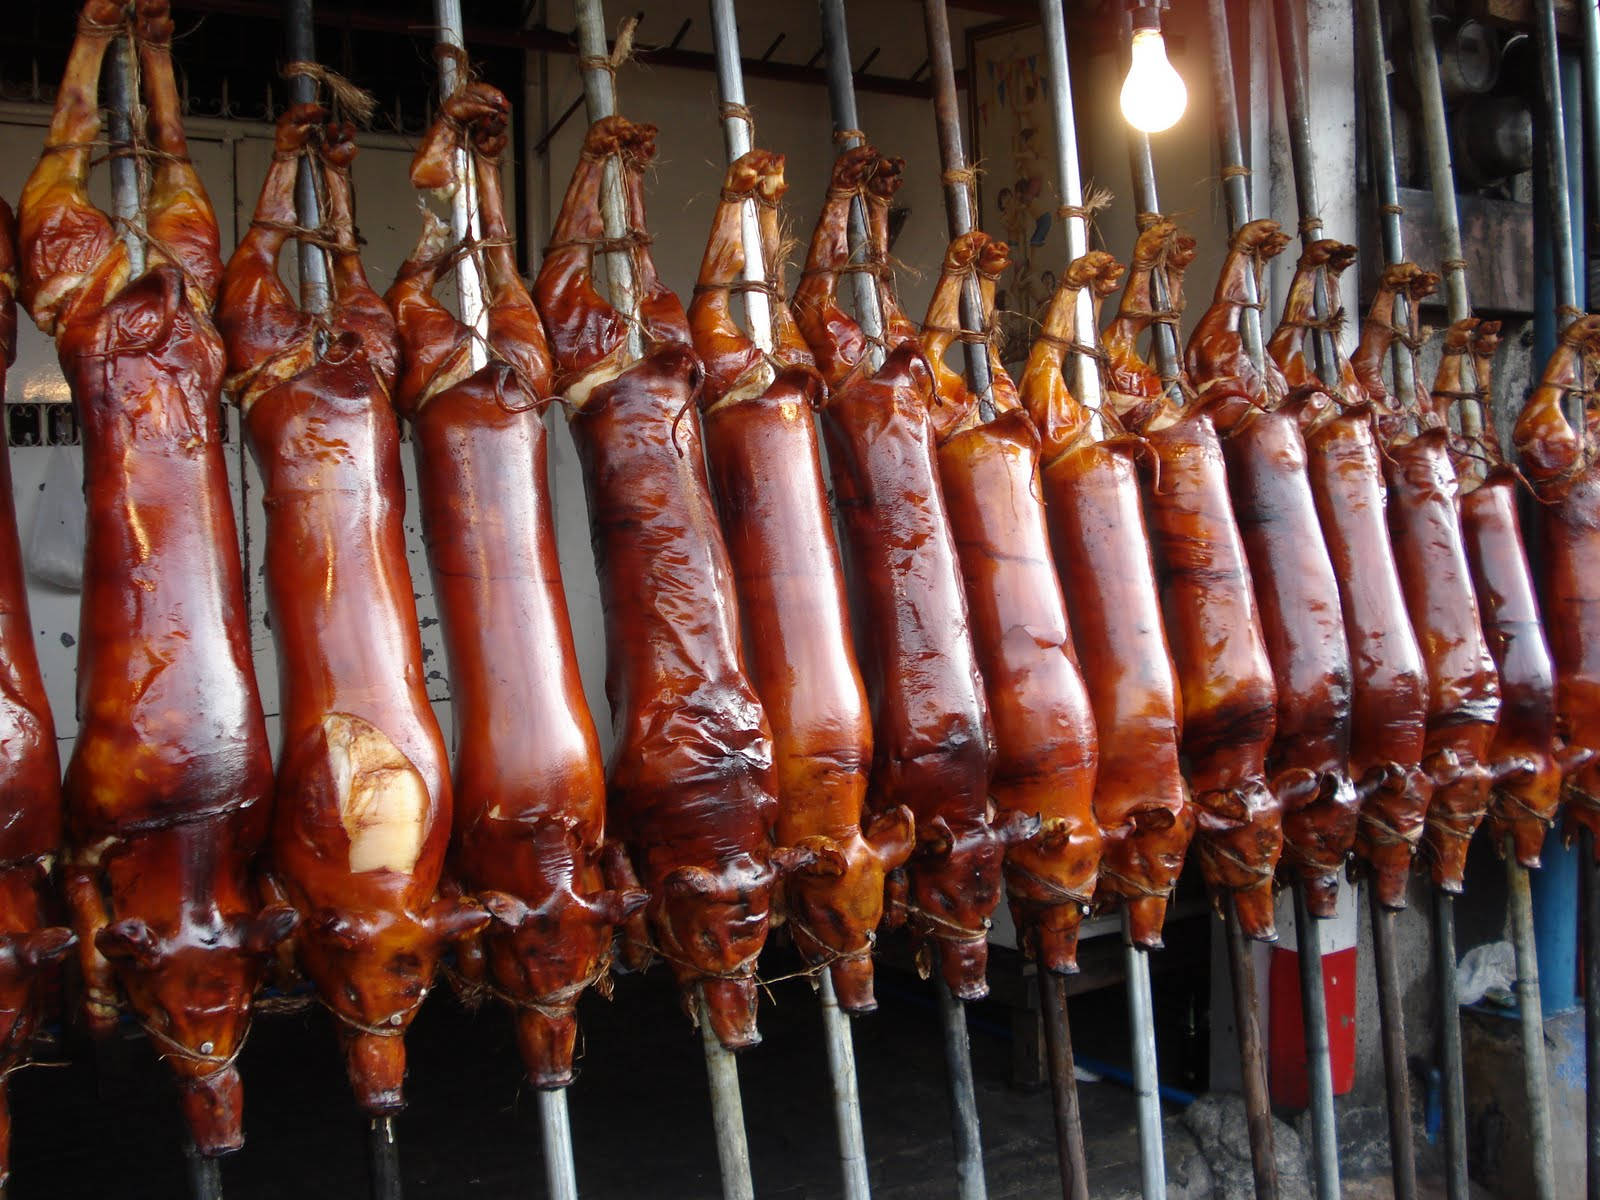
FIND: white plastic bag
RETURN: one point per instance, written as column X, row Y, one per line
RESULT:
column 1488, row 970
column 55, row 539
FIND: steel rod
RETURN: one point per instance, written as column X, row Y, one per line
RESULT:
column 555, row 1132
column 1146, row 1080
column 1230, row 147
column 1425, row 58
column 1536, row 1071
column 960, row 194
column 1319, row 1065
column 1544, row 32
column 1455, row 1091
column 847, row 131
column 846, row 1093
column 383, row 1159
column 963, row 1095
column 299, row 28
column 126, row 202
column 1070, row 1156
column 205, row 1175
column 465, row 220
column 1163, row 337
column 1252, row 1056
column 727, row 1113
column 600, row 100
column 1288, row 15
column 1391, row 1030
column 1085, row 370
column 1436, row 135
column 1589, row 21
column 1590, row 879
column 737, row 135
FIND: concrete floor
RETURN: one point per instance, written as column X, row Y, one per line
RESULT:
column 640, row 1113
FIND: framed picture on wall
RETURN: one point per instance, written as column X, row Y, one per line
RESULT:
column 1013, row 141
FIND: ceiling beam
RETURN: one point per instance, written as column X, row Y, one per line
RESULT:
column 553, row 41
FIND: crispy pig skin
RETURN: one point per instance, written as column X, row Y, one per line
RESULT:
column 1425, row 532
column 1389, row 699
column 1207, row 598
column 1045, row 746
column 30, row 771
column 761, row 444
column 1559, row 461
column 932, row 741
column 529, row 783
column 364, row 801
column 1097, row 535
column 168, row 789
column 691, row 779
column 1296, row 592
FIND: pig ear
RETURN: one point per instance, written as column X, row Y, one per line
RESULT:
column 505, row 908
column 936, row 838
column 453, row 920
column 691, row 881
column 786, row 860
column 827, row 860
column 893, row 834
column 331, row 925
column 269, row 927
column 1017, row 827
column 615, row 906
column 45, row 945
column 130, row 941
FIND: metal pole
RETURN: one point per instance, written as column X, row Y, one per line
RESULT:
column 1252, row 1057
column 1453, row 266
column 1163, row 337
column 555, row 1128
column 1230, row 145
column 205, row 1175
column 300, row 38
column 1391, row 1028
column 1319, row 1068
column 600, row 100
column 1441, row 172
column 1536, row 1072
column 963, row 1097
column 126, row 203
column 1146, row 1083
column 383, row 1159
column 842, row 104
column 737, row 135
column 465, row 221
column 959, row 194
column 1292, row 67
column 1589, row 19
column 1086, row 371
column 846, row 1094
column 1544, row 32
column 1590, row 876
column 1457, row 298
column 727, row 1113
column 1455, row 1091
column 1070, row 1155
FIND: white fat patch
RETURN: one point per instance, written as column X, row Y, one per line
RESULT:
column 382, row 799
column 602, row 372
column 752, row 383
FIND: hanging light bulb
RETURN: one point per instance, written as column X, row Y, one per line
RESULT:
column 1153, row 95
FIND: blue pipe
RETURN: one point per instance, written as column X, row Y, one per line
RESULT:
column 1555, row 884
